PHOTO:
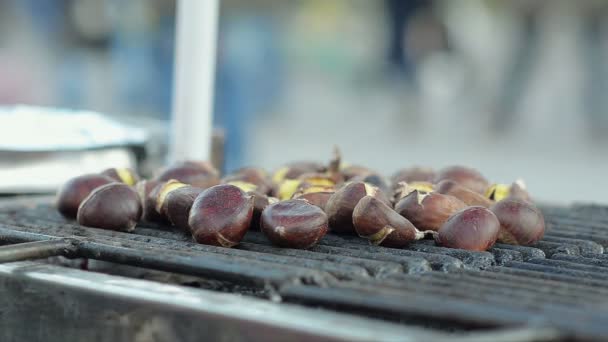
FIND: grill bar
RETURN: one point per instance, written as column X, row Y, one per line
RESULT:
column 36, row 250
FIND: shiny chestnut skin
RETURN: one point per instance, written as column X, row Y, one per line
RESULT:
column 473, row 229
column 428, row 211
column 74, row 191
column 176, row 204
column 521, row 223
column 465, row 176
column 294, row 223
column 114, row 206
column 414, row 174
column 196, row 173
column 340, row 205
column 469, row 197
column 221, row 215
column 381, row 225
column 124, row 175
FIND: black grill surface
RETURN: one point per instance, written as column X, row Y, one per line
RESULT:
column 561, row 282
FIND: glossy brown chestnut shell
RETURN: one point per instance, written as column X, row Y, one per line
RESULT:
column 124, row 175
column 294, row 223
column 474, row 229
column 315, row 196
column 176, row 204
column 469, row 197
column 114, row 206
column 221, row 215
column 465, row 176
column 414, row 174
column 521, row 223
column 74, row 191
column 381, row 225
column 200, row 174
column 340, row 205
column 428, row 211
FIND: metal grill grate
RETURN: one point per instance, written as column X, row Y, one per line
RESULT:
column 561, row 282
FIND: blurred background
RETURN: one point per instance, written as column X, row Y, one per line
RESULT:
column 513, row 88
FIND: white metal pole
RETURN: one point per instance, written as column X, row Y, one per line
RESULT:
column 195, row 56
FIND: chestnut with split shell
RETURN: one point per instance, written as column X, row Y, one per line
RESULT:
column 196, row 173
column 296, row 169
column 252, row 175
column 124, row 175
column 516, row 190
column 221, row 215
column 469, row 197
column 340, row 205
column 174, row 202
column 350, row 171
column 294, row 223
column 374, row 179
column 315, row 195
column 381, row 225
column 521, row 223
column 114, row 206
column 474, row 229
column 428, row 211
column 74, row 191
column 403, row 189
column 465, row 176
column 148, row 191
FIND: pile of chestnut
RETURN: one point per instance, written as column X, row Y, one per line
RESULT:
column 300, row 202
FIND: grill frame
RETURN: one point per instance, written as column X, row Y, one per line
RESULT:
column 421, row 284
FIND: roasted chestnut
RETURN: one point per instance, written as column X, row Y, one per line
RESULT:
column 196, row 173
column 296, row 169
column 428, row 211
column 467, row 177
column 294, row 223
column 74, row 191
column 469, row 197
column 414, row 174
column 148, row 191
column 315, row 195
column 517, row 190
column 521, row 223
column 221, row 215
column 114, row 206
column 124, row 175
column 174, row 201
column 374, row 179
column 403, row 189
column 340, row 205
column 381, row 225
column 260, row 202
column 474, row 229
column 252, row 175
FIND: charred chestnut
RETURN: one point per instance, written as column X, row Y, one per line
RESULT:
column 123, row 175
column 340, row 205
column 74, row 191
column 221, row 215
column 467, row 177
column 200, row 174
column 469, row 197
column 114, row 206
column 294, row 224
column 428, row 211
column 474, row 229
column 521, row 223
column 381, row 225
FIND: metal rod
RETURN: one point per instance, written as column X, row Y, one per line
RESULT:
column 36, row 250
